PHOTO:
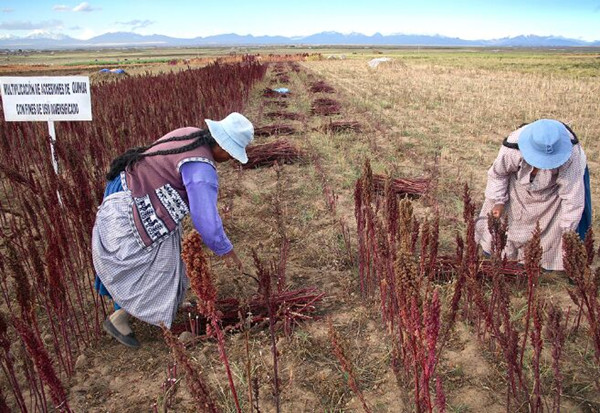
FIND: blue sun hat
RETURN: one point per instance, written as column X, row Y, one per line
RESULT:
column 232, row 134
column 545, row 144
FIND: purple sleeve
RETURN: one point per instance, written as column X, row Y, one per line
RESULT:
column 202, row 186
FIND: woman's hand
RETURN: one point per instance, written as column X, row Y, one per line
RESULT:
column 232, row 260
column 498, row 210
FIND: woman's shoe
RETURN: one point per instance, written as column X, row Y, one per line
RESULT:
column 128, row 340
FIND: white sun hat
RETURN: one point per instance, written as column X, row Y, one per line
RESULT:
column 232, row 134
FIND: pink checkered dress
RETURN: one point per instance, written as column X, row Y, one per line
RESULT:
column 554, row 198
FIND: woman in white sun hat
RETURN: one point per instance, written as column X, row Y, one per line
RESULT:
column 539, row 176
column 136, row 239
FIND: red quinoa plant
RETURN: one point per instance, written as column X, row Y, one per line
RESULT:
column 346, row 364
column 586, row 281
column 492, row 313
column 348, row 255
column 556, row 333
column 410, row 303
column 202, row 284
column 200, row 390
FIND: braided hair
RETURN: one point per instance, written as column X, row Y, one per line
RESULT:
column 131, row 156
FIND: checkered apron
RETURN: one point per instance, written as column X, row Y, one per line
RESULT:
column 148, row 282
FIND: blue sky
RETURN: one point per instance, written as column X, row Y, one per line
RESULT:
column 468, row 19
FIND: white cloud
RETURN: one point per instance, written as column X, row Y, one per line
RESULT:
column 85, row 6
column 27, row 25
column 7, row 10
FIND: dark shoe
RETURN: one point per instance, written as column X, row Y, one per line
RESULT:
column 129, row 340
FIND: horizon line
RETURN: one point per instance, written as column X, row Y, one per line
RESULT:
column 51, row 36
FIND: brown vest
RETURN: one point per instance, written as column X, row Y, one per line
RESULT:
column 156, row 185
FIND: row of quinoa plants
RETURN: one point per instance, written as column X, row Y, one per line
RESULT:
column 50, row 311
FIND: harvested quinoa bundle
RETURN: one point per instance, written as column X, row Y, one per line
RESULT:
column 283, row 79
column 342, row 126
column 402, row 186
column 446, row 264
column 270, row 130
column 281, row 151
column 321, row 86
column 325, row 107
column 277, row 103
column 279, row 114
column 295, row 67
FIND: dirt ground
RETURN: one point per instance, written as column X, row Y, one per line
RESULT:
column 418, row 119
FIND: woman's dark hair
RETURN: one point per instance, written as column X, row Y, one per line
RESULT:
column 131, row 156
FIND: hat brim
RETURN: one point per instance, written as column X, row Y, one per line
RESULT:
column 533, row 157
column 224, row 141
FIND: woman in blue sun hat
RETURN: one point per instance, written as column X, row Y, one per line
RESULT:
column 540, row 175
column 136, row 239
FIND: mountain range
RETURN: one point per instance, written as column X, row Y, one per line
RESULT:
column 127, row 39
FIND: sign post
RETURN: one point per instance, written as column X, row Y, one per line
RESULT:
column 52, row 134
column 46, row 98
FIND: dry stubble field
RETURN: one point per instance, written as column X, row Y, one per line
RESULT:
column 437, row 115
column 447, row 116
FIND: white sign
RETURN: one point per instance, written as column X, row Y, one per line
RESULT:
column 46, row 98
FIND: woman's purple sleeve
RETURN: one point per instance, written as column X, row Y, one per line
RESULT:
column 202, row 186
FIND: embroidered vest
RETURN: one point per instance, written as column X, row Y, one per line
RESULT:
column 156, row 185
